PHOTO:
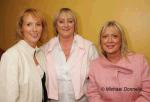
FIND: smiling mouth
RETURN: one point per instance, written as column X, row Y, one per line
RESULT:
column 35, row 36
column 66, row 30
column 110, row 46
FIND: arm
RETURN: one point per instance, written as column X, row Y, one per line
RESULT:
column 145, row 93
column 9, row 88
column 92, row 91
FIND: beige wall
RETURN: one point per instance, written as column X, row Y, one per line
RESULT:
column 134, row 15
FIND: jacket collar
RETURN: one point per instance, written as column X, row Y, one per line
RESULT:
column 122, row 66
column 54, row 42
column 27, row 48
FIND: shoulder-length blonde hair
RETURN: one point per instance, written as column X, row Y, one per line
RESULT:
column 124, row 45
column 34, row 13
column 68, row 11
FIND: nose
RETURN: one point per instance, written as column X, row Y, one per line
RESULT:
column 110, row 39
column 34, row 28
column 66, row 24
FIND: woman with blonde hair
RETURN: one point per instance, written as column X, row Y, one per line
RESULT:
column 22, row 67
column 68, row 56
column 119, row 75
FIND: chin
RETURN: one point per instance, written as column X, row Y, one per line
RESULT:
column 35, row 41
column 67, row 35
column 110, row 51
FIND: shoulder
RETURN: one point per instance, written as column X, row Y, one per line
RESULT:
column 84, row 43
column 11, row 55
column 83, row 40
column 138, row 61
column 51, row 41
column 96, row 62
column 12, row 51
column 95, row 66
column 49, row 45
column 136, row 56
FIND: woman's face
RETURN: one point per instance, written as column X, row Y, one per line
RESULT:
column 65, row 25
column 31, row 30
column 111, row 41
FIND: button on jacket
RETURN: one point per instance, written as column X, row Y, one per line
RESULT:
column 20, row 80
column 126, row 81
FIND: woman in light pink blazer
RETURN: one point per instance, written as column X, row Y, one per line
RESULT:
column 119, row 75
column 68, row 56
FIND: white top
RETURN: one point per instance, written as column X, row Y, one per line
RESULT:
column 66, row 91
column 20, row 80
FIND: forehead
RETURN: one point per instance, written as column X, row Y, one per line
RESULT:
column 64, row 15
column 30, row 17
column 110, row 29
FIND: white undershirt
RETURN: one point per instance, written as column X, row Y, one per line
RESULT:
column 66, row 92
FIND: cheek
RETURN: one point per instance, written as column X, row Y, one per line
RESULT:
column 25, row 30
column 41, row 29
column 58, row 27
column 118, row 42
column 103, row 41
column 22, row 30
column 26, row 36
column 72, row 26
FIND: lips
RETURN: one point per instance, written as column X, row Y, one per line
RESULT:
column 35, row 35
column 110, row 46
column 65, row 29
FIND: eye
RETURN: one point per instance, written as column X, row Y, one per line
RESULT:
column 115, row 36
column 61, row 21
column 104, row 36
column 29, row 24
column 70, row 21
column 39, row 24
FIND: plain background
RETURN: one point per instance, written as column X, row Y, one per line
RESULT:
column 133, row 15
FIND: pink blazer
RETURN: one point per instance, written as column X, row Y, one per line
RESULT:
column 126, row 81
column 79, row 67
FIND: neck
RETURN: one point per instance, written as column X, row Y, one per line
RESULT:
column 30, row 43
column 66, row 40
column 66, row 44
column 115, row 57
column 33, row 45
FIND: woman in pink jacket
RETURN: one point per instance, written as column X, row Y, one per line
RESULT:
column 119, row 75
column 68, row 56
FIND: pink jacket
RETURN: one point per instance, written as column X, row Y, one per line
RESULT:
column 126, row 81
column 79, row 67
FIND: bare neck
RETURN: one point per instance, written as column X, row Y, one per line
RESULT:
column 115, row 57
column 66, row 44
column 66, row 41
